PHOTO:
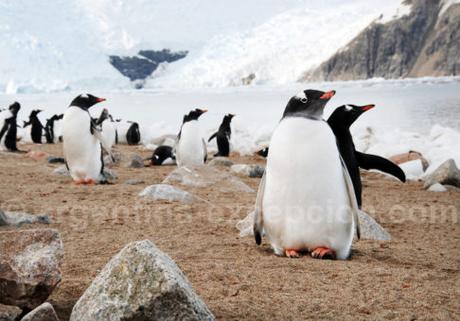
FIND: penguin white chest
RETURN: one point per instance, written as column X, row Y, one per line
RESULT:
column 108, row 133
column 305, row 202
column 190, row 149
column 82, row 150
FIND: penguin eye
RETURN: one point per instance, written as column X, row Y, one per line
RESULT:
column 304, row 100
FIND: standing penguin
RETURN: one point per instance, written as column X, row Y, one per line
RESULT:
column 340, row 121
column 108, row 129
column 9, row 128
column 36, row 131
column 190, row 146
column 49, row 128
column 82, row 141
column 306, row 200
column 133, row 135
column 223, row 136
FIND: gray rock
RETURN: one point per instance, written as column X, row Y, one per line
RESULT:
column 30, row 266
column 167, row 193
column 446, row 174
column 9, row 312
column 61, row 171
column 44, row 312
column 220, row 161
column 248, row 170
column 19, row 219
column 370, row 229
column 206, row 176
column 55, row 160
column 134, row 182
column 437, row 188
column 110, row 175
column 136, row 161
column 140, row 283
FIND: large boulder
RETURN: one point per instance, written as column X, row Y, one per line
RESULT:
column 206, row 176
column 446, row 174
column 140, row 283
column 167, row 193
column 9, row 313
column 30, row 266
column 44, row 312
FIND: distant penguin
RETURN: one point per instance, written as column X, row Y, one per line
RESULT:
column 190, row 148
column 36, row 131
column 9, row 128
column 223, row 136
column 50, row 136
column 306, row 201
column 163, row 155
column 108, row 129
column 82, row 141
column 340, row 121
column 133, row 135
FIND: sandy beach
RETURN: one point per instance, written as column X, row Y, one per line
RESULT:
column 413, row 277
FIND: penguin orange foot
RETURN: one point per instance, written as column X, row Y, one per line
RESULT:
column 79, row 181
column 90, row 181
column 292, row 253
column 323, row 253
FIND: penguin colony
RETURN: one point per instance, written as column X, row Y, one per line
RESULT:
column 307, row 200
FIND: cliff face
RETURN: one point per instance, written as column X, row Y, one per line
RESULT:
column 422, row 43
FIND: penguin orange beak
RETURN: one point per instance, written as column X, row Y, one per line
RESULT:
column 204, row 110
column 328, row 95
column 367, row 107
column 100, row 100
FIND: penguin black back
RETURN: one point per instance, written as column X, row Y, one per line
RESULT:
column 161, row 154
column 340, row 121
column 223, row 136
column 36, row 131
column 133, row 135
column 11, row 128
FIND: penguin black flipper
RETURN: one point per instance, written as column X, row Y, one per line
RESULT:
column 368, row 161
column 212, row 137
column 354, row 207
column 258, row 213
column 3, row 130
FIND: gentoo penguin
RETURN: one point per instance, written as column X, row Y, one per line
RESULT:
column 51, row 138
column 133, row 135
column 36, row 131
column 223, row 136
column 9, row 128
column 306, row 200
column 163, row 155
column 108, row 129
column 82, row 141
column 340, row 121
column 190, row 147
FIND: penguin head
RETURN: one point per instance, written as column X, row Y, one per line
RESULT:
column 35, row 112
column 344, row 116
column 308, row 103
column 85, row 101
column 228, row 118
column 194, row 114
column 14, row 108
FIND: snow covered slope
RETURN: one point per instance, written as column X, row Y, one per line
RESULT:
column 54, row 45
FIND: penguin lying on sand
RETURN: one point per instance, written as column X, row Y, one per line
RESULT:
column 83, row 141
column 163, row 155
column 223, row 136
column 190, row 148
column 340, row 121
column 9, row 128
column 306, row 201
